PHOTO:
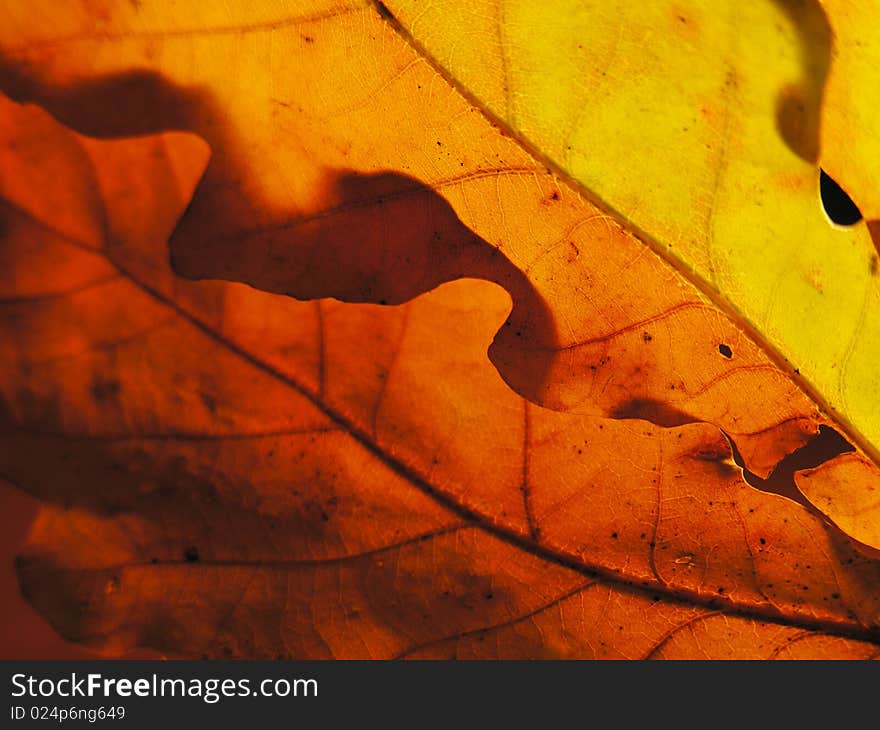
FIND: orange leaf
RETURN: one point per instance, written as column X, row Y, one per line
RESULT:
column 228, row 472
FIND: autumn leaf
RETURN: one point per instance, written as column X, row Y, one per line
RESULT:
column 230, row 472
column 741, row 126
column 718, row 113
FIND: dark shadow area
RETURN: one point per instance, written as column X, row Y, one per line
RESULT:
column 24, row 634
column 824, row 446
column 383, row 238
column 124, row 105
column 799, row 105
column 838, row 206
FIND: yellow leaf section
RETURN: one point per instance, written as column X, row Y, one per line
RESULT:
column 697, row 123
column 850, row 125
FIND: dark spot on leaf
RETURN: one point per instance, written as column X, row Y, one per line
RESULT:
column 209, row 401
column 191, row 555
column 725, row 350
column 105, row 389
column 712, row 452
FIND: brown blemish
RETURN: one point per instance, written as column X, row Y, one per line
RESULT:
column 209, row 401
column 719, row 456
column 711, row 452
column 794, row 181
column 191, row 554
column 105, row 389
column 813, row 278
column 684, row 24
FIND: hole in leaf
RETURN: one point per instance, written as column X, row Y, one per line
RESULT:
column 824, row 446
column 839, row 207
column 725, row 350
